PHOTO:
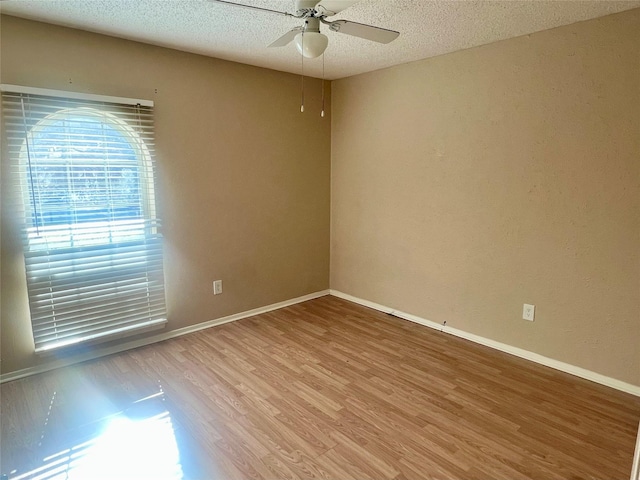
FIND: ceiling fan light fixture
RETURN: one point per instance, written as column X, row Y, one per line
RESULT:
column 312, row 45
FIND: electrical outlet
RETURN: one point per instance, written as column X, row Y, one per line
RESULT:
column 528, row 312
column 217, row 287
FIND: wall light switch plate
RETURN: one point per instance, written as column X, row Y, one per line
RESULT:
column 528, row 312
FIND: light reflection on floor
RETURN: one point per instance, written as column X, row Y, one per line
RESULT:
column 136, row 443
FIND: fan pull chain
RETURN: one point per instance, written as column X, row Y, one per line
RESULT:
column 302, row 76
column 322, row 112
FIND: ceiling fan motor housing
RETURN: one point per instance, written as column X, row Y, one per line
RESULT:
column 311, row 24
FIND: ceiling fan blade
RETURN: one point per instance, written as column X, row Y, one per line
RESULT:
column 286, row 38
column 252, row 7
column 331, row 7
column 369, row 32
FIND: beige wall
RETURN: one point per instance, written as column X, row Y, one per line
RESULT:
column 462, row 186
column 244, row 187
column 466, row 185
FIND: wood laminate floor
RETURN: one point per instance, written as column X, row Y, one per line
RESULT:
column 321, row 390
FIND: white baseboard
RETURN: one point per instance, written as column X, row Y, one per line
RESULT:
column 503, row 347
column 635, row 467
column 101, row 352
column 518, row 352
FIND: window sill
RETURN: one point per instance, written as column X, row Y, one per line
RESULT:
column 78, row 344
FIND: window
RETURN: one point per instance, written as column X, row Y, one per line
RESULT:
column 93, row 255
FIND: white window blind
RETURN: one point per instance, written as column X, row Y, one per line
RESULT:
column 84, row 174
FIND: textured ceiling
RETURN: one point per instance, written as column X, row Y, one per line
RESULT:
column 427, row 27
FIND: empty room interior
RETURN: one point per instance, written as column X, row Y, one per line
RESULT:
column 396, row 257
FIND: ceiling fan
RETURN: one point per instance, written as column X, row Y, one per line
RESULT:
column 307, row 37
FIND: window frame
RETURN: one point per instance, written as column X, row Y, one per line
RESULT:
column 84, row 328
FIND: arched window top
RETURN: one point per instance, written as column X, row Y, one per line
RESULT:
column 83, row 133
column 90, row 130
column 85, row 169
